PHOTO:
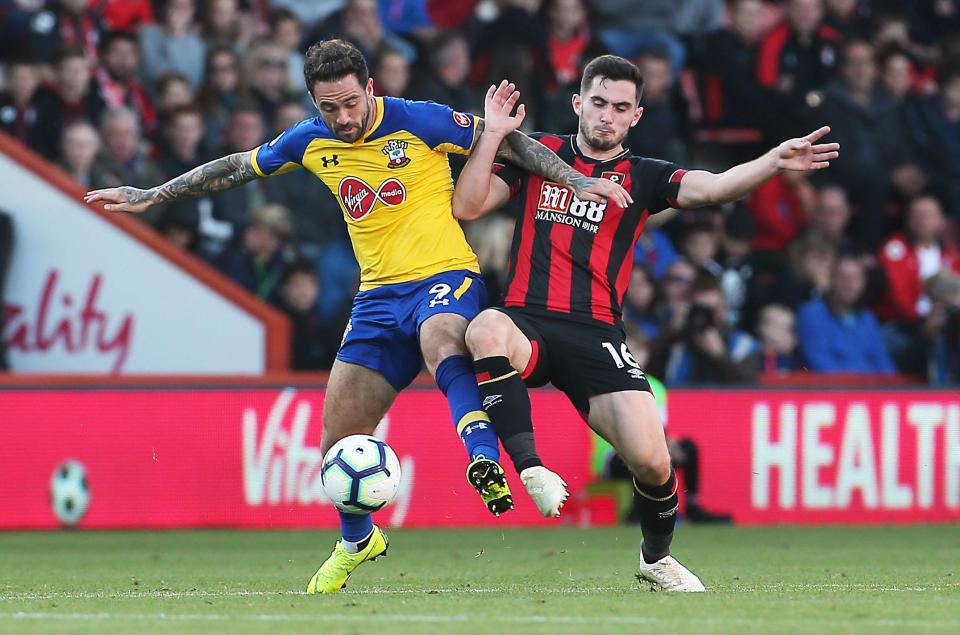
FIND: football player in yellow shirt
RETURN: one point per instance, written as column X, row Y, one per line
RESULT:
column 385, row 160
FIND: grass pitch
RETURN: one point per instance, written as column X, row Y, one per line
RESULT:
column 836, row 580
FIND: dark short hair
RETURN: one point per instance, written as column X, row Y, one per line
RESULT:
column 107, row 40
column 69, row 51
column 612, row 67
column 300, row 266
column 331, row 60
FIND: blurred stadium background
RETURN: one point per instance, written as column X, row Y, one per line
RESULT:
column 179, row 356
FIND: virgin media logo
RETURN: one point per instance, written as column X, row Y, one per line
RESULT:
column 59, row 323
column 359, row 199
column 281, row 467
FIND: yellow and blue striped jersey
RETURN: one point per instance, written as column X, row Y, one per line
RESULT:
column 393, row 184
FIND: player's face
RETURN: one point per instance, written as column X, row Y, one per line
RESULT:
column 607, row 111
column 345, row 106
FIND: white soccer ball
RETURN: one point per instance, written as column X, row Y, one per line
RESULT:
column 361, row 474
column 69, row 492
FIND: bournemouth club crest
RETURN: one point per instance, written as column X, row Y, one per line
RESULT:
column 396, row 152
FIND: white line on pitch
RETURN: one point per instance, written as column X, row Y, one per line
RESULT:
column 417, row 618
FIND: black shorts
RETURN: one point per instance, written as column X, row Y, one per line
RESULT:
column 581, row 358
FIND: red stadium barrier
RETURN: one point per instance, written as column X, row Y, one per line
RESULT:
column 245, row 455
column 825, row 456
column 242, row 458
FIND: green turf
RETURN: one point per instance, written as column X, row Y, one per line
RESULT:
column 899, row 580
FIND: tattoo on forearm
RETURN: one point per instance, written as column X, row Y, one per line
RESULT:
column 216, row 176
column 535, row 157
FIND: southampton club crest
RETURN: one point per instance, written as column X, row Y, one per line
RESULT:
column 396, row 152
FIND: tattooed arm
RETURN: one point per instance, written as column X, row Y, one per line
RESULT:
column 535, row 157
column 216, row 176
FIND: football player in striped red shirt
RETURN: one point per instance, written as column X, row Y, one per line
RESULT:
column 569, row 267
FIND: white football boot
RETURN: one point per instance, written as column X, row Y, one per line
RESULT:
column 546, row 488
column 670, row 575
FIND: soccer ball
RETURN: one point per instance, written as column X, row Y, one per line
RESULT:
column 360, row 474
column 69, row 492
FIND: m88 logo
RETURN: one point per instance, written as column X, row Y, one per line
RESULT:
column 559, row 199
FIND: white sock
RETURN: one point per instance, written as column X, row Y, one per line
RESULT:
column 354, row 547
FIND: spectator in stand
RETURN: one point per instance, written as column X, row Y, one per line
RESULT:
column 830, row 217
column 225, row 25
column 807, row 278
column 849, row 18
column 659, row 133
column 796, row 58
column 865, row 123
column 942, row 329
column 908, row 260
column 126, row 15
column 19, row 115
column 180, row 224
column 180, row 149
column 391, row 73
column 258, row 262
column 446, row 83
column 639, row 304
column 310, row 13
column 125, row 159
column 267, row 78
column 731, row 93
column 706, row 349
column 700, row 246
column 116, row 78
column 780, row 208
column 896, row 74
column 245, row 131
column 223, row 89
column 837, row 334
column 569, row 46
column 173, row 46
column 78, row 150
column 359, row 22
column 65, row 23
column 675, row 302
column 314, row 340
column 286, row 34
column 70, row 97
column 173, row 91
column 736, row 270
column 490, row 238
column 627, row 31
column 776, row 331
column 939, row 137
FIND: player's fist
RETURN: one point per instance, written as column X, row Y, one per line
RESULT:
column 592, row 189
column 121, row 199
column 498, row 107
column 804, row 153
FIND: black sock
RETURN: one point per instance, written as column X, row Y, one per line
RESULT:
column 507, row 403
column 690, row 468
column 657, row 505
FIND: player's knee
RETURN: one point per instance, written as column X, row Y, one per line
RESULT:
column 652, row 467
column 488, row 334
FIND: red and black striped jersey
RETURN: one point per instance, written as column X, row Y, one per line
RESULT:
column 573, row 256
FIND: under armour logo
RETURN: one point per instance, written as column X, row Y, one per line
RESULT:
column 491, row 400
column 334, row 160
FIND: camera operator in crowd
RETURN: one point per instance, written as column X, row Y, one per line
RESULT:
column 705, row 349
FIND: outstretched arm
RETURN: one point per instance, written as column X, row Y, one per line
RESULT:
column 216, row 176
column 699, row 188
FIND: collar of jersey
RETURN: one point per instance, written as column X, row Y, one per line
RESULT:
column 576, row 150
column 376, row 122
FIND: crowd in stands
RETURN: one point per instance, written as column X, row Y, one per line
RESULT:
column 853, row 270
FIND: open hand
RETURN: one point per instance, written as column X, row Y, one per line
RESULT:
column 498, row 106
column 121, row 199
column 804, row 153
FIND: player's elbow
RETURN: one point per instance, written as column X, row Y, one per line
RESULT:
column 465, row 211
